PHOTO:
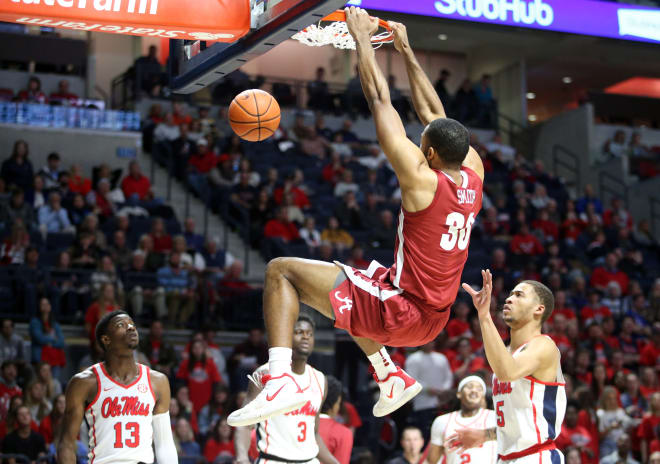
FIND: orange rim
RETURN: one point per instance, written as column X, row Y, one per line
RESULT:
column 339, row 15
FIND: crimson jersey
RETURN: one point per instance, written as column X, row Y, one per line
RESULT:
column 432, row 244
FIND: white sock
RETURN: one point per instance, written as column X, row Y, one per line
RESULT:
column 279, row 360
column 382, row 363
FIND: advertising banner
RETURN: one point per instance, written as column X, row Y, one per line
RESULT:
column 587, row 17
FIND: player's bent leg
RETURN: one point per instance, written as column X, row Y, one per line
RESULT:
column 289, row 281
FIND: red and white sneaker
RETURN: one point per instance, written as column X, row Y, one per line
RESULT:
column 395, row 390
column 280, row 395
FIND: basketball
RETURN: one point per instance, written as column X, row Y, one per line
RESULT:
column 254, row 115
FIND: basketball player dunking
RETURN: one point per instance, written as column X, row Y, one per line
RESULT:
column 473, row 414
column 292, row 437
column 407, row 305
column 125, row 404
column 528, row 384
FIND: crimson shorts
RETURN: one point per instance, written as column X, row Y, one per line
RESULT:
column 367, row 305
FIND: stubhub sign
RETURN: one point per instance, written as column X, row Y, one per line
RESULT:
column 518, row 11
column 587, row 17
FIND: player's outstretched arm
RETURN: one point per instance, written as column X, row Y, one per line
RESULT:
column 425, row 99
column 324, row 456
column 164, row 447
column 242, row 436
column 539, row 351
column 406, row 158
column 77, row 392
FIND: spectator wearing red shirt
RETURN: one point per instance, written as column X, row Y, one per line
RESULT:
column 547, row 227
column 356, row 259
column 649, row 355
column 609, row 273
column 63, row 96
column 616, row 364
column 221, row 442
column 572, row 227
column 558, row 333
column 300, row 198
column 104, row 304
column 649, row 382
column 609, row 328
column 617, row 216
column 458, row 326
column 465, row 361
column 337, row 437
column 582, row 369
column 587, row 417
column 33, row 93
column 100, row 199
column 646, row 430
column 333, row 171
column 281, row 227
column 179, row 115
column 596, row 343
column 200, row 373
column 52, row 423
column 524, row 243
column 574, row 435
column 162, row 240
column 158, row 350
column 204, row 158
column 136, row 185
column 78, row 183
column 594, row 311
column 561, row 308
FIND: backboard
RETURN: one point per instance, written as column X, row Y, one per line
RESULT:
column 194, row 65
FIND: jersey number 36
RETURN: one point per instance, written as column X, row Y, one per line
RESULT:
column 459, row 231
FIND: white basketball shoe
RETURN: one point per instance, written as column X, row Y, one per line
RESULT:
column 280, row 395
column 395, row 390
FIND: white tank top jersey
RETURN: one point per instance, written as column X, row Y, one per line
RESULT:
column 120, row 419
column 528, row 412
column 446, row 425
column 292, row 436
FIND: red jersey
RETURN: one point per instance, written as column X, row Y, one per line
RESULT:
column 432, row 244
column 337, row 438
column 200, row 381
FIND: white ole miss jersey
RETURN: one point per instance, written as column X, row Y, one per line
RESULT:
column 292, row 436
column 120, row 419
column 446, row 425
column 529, row 412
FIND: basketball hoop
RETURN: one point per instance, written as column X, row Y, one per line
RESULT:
column 336, row 33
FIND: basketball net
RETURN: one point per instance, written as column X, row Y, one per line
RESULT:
column 225, row 21
column 336, row 33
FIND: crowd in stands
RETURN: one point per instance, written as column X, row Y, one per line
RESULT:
column 642, row 160
column 85, row 245
column 91, row 243
column 34, row 94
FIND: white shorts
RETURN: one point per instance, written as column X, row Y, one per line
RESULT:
column 553, row 456
column 270, row 461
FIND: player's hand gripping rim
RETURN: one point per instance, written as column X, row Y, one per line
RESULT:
column 481, row 299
